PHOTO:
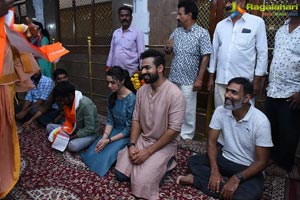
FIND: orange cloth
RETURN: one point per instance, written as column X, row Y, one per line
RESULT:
column 9, row 144
column 2, row 43
column 26, row 61
column 70, row 115
column 53, row 51
column 49, row 52
column 68, row 125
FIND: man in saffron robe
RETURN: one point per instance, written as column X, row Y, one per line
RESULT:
column 12, row 78
column 17, row 65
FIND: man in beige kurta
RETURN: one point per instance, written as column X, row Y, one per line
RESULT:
column 158, row 115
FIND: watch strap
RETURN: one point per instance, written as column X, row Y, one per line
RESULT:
column 130, row 144
column 240, row 176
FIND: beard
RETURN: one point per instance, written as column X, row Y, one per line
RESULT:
column 233, row 105
column 150, row 78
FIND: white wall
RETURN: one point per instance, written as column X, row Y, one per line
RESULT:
column 141, row 17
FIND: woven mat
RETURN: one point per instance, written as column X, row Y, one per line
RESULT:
column 48, row 174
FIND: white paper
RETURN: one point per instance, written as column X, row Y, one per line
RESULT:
column 61, row 141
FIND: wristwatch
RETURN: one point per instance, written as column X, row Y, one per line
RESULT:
column 130, row 144
column 239, row 176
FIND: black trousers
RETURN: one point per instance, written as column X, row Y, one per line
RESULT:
column 250, row 189
column 285, row 125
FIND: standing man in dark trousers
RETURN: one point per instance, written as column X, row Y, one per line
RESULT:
column 283, row 94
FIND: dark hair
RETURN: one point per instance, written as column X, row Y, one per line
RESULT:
column 189, row 7
column 247, row 85
column 159, row 58
column 59, row 71
column 125, row 8
column 63, row 89
column 117, row 73
column 43, row 31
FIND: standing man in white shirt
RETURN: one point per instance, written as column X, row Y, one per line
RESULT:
column 283, row 94
column 127, row 44
column 239, row 49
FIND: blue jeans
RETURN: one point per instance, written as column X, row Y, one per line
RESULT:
column 249, row 189
column 49, row 116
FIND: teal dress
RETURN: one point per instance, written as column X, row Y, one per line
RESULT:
column 45, row 66
column 120, row 118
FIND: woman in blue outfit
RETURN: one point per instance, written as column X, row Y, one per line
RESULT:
column 103, row 152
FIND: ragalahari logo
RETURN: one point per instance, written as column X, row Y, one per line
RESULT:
column 267, row 10
column 275, row 9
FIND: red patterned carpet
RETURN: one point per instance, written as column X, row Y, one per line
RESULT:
column 48, row 174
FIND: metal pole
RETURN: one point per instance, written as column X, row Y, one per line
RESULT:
column 54, row 64
column 89, row 40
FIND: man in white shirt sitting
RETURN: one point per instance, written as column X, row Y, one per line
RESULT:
column 235, row 170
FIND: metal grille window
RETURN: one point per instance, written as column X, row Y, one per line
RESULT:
column 81, row 18
column 274, row 20
column 20, row 11
column 204, row 13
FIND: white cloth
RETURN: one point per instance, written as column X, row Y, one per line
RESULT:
column 189, row 124
column 61, row 142
column 78, row 97
column 219, row 94
column 239, row 50
column 241, row 137
column 284, row 78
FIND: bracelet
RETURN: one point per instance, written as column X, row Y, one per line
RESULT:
column 130, row 144
column 110, row 141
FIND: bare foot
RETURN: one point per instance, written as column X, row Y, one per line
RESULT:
column 185, row 180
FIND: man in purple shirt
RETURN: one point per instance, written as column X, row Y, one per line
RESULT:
column 127, row 43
